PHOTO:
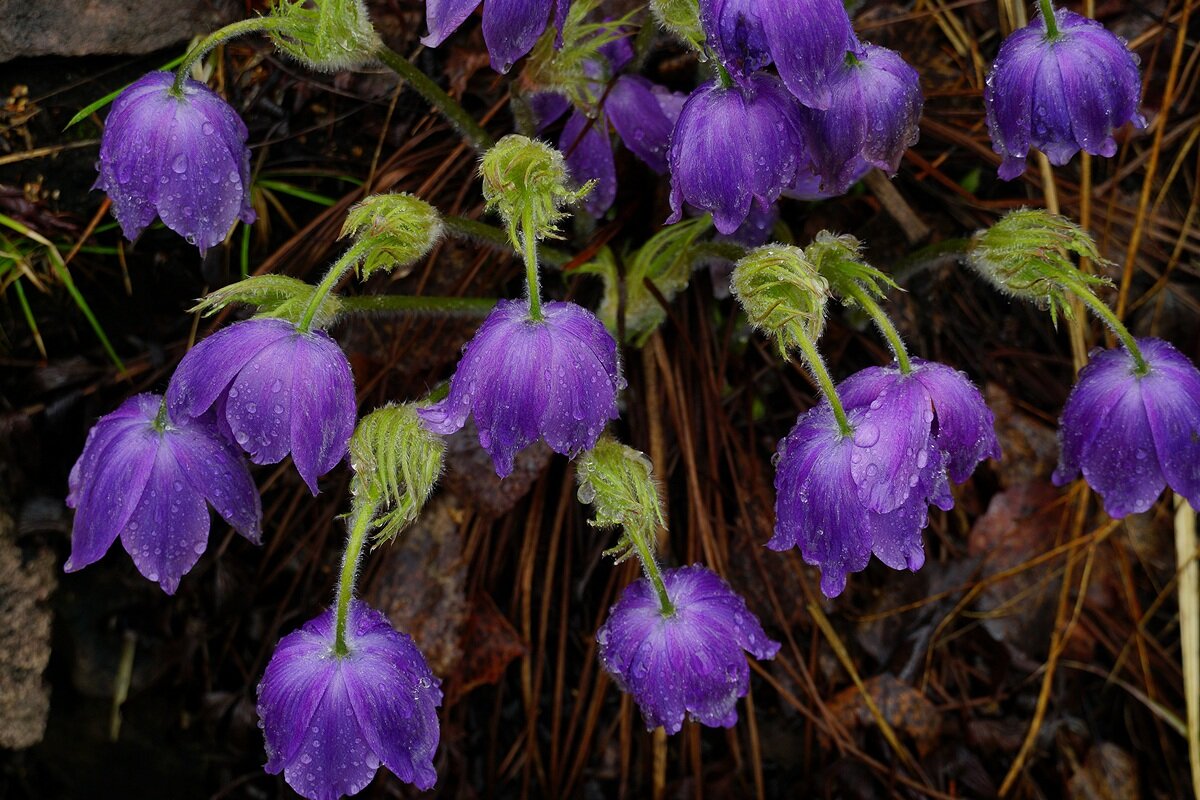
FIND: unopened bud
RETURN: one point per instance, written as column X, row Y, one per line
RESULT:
column 396, row 230
column 783, row 294
column 325, row 35
column 528, row 183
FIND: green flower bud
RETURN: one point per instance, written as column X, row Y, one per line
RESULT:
column 528, row 183
column 618, row 482
column 840, row 261
column 325, row 35
column 1025, row 255
column 275, row 296
column 396, row 230
column 681, row 18
column 396, row 463
column 783, row 294
column 575, row 66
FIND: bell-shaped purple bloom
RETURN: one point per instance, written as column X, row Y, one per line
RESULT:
column 149, row 479
column 732, row 147
column 555, row 379
column 510, row 27
column 589, row 157
column 330, row 720
column 183, row 159
column 1132, row 434
column 278, row 390
column 873, row 118
column 690, row 663
column 1062, row 94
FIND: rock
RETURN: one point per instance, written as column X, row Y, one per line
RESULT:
column 87, row 27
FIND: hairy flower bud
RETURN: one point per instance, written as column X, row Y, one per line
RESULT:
column 395, row 229
column 783, row 294
column 527, row 182
column 681, row 18
column 839, row 260
column 325, row 35
column 618, row 482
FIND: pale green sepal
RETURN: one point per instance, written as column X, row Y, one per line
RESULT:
column 618, row 482
column 839, row 260
column 528, row 183
column 681, row 18
column 783, row 293
column 275, row 296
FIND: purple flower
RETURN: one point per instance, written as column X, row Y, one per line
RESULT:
column 555, row 379
column 148, row 480
column 278, row 390
column 732, row 147
column 691, row 662
column 841, row 498
column 510, row 27
column 644, row 114
column 806, row 39
column 873, row 118
column 1062, row 94
column 180, row 158
column 329, row 720
column 589, row 156
column 1132, row 434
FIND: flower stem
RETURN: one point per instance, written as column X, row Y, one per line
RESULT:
column 1101, row 309
column 529, row 245
column 1048, row 16
column 885, row 324
column 358, row 534
column 816, row 365
column 473, row 229
column 335, row 273
column 434, row 95
column 418, row 304
column 650, row 567
column 723, row 78
column 215, row 38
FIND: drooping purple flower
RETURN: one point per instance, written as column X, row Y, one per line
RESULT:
column 330, row 719
column 1132, row 434
column 690, row 663
column 279, row 391
column 873, row 118
column 732, row 147
column 589, row 157
column 1062, row 94
column 510, row 27
column 555, row 379
column 149, row 478
column 183, row 159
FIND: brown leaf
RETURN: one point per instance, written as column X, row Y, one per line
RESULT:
column 1108, row 773
column 490, row 644
column 908, row 711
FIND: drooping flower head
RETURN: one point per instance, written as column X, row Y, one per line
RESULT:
column 733, row 147
column 690, row 663
column 149, row 478
column 1132, row 434
column 183, row 159
column 1060, row 93
column 510, row 27
column 554, row 379
column 276, row 391
column 330, row 720
column 841, row 498
column 806, row 39
column 872, row 120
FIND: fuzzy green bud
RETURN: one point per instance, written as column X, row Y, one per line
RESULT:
column 396, row 230
column 681, row 18
column 783, row 294
column 396, row 462
column 325, row 35
column 618, row 482
column 277, row 296
column 839, row 260
column 575, row 66
column 1025, row 254
column 527, row 182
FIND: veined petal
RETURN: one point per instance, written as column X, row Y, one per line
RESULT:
column 323, row 406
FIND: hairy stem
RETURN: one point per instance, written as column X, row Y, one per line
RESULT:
column 1048, row 16
column 532, row 280
column 212, row 40
column 450, row 108
column 1101, row 310
column 650, row 567
column 885, row 324
column 335, row 273
column 816, row 366
column 418, row 304
column 358, row 534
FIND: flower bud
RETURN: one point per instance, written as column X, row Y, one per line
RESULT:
column 278, row 296
column 325, row 35
column 396, row 229
column 783, row 294
column 618, row 482
column 681, row 18
column 396, row 462
column 528, row 183
column 840, row 261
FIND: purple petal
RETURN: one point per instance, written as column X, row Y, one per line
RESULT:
column 582, row 393
column 547, row 107
column 734, row 30
column 323, row 406
column 590, row 158
column 334, row 758
column 291, row 689
column 219, row 474
column 965, row 425
column 636, row 111
column 1098, row 389
column 511, row 28
column 808, row 40
column 1171, row 394
column 1119, row 463
column 444, row 17
column 206, row 371
column 258, row 405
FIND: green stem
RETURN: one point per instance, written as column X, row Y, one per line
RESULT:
column 475, row 230
column 723, row 78
column 532, row 281
column 650, row 566
column 418, row 304
column 816, row 365
column 1048, row 16
column 252, row 25
column 358, row 534
column 335, row 273
column 885, row 324
column 161, row 419
column 450, row 108
column 1101, row 309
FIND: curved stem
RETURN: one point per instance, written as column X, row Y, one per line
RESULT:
column 650, row 567
column 335, row 273
column 885, row 324
column 358, row 534
column 529, row 244
column 1101, row 310
column 434, row 95
column 473, row 229
column 418, row 304
column 1048, row 16
column 212, row 40
column 816, row 366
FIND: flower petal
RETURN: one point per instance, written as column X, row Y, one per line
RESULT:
column 589, row 157
column 965, row 425
column 206, row 371
column 444, row 17
column 219, row 474
column 323, row 406
column 511, row 28
column 292, row 686
column 333, row 758
column 1119, row 462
